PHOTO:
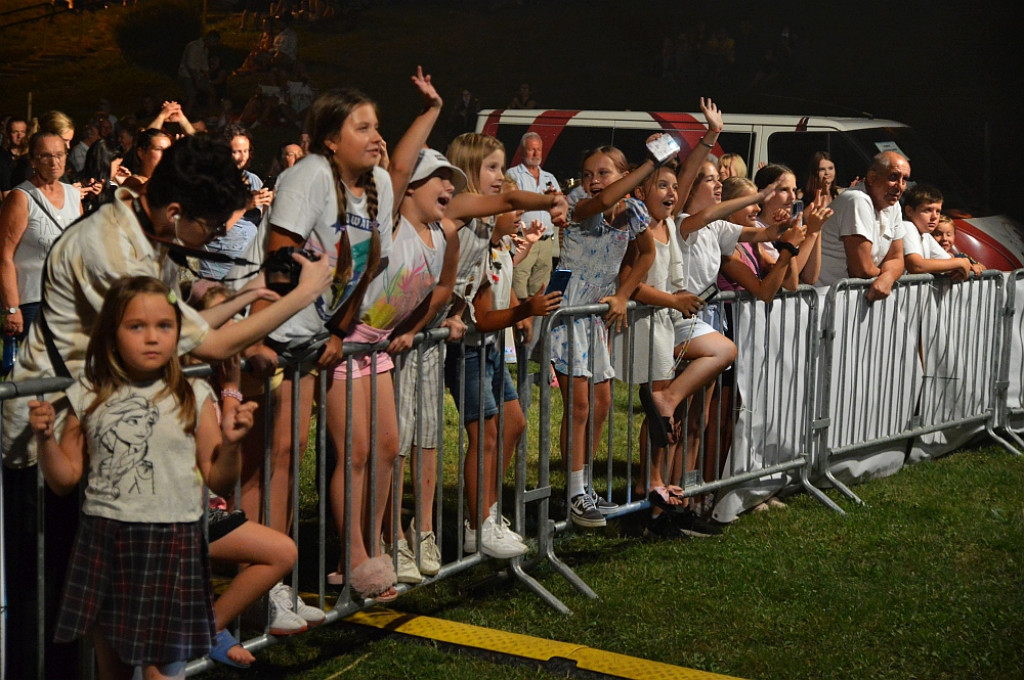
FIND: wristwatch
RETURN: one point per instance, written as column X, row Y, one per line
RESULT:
column 12, row 310
column 786, row 245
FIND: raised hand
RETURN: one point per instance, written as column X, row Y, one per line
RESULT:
column 430, row 96
column 711, row 114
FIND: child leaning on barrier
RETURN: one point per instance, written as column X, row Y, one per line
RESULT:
column 922, row 254
column 265, row 555
column 602, row 225
column 704, row 239
column 338, row 202
column 945, row 236
column 139, row 580
column 482, row 159
column 414, row 290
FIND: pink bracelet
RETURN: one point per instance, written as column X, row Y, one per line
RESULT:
column 229, row 392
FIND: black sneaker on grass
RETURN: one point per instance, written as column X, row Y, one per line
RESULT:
column 584, row 513
column 691, row 524
column 662, row 527
column 603, row 505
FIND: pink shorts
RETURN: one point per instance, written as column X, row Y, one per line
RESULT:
column 363, row 364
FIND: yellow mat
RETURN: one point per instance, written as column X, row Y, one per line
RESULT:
column 526, row 646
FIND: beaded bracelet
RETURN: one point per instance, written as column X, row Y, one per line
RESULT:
column 230, row 392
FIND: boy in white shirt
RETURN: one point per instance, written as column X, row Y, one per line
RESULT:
column 922, row 254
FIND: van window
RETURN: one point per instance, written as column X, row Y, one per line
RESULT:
column 795, row 149
column 853, row 150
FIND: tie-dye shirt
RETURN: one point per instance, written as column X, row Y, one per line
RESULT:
column 412, row 272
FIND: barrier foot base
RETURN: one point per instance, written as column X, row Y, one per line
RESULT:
column 842, row 488
column 1003, row 442
column 567, row 573
column 539, row 590
column 820, row 495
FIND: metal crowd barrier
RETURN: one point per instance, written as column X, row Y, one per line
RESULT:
column 922, row 361
column 1009, row 395
column 801, row 403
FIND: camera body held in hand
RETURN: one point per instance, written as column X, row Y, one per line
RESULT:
column 282, row 271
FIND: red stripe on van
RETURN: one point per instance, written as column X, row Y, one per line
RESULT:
column 549, row 126
column 491, row 126
column 688, row 127
column 984, row 247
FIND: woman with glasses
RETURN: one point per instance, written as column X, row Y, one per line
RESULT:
column 31, row 218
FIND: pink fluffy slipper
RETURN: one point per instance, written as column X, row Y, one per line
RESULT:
column 373, row 578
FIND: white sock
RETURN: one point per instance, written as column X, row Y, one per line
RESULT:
column 575, row 483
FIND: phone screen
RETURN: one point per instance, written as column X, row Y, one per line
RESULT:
column 559, row 280
column 798, row 207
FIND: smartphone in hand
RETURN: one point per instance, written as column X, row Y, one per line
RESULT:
column 559, row 280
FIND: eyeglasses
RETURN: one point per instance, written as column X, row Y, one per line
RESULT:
column 215, row 231
column 47, row 157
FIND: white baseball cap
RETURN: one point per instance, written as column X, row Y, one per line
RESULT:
column 430, row 161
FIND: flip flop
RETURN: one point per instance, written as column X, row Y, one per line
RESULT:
column 659, row 497
column 658, row 426
column 222, row 643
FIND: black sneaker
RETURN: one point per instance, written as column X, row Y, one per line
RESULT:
column 691, row 524
column 603, row 505
column 584, row 513
column 662, row 527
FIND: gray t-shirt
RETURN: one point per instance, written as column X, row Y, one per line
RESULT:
column 142, row 464
column 305, row 203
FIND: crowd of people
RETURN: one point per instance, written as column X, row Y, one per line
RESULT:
column 350, row 239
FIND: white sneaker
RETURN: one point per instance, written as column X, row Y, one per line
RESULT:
column 407, row 571
column 430, row 553
column 281, row 594
column 496, row 540
column 283, row 621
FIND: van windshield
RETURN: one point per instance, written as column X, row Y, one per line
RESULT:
column 925, row 164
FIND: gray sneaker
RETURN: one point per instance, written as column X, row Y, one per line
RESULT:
column 583, row 512
column 603, row 505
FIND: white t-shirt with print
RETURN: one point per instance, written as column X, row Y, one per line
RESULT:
column 305, row 204
column 855, row 215
column 142, row 463
column 925, row 245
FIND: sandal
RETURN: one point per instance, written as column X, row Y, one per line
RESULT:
column 222, row 643
column 660, row 496
column 373, row 578
column 659, row 427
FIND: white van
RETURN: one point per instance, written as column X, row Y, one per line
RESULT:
column 996, row 240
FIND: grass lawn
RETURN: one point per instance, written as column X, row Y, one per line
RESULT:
column 922, row 582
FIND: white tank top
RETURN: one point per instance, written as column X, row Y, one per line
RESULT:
column 45, row 224
column 413, row 270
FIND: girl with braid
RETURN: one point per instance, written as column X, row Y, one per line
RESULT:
column 339, row 203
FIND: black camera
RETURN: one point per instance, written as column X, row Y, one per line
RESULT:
column 282, row 271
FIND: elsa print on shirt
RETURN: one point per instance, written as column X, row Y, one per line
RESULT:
column 125, row 427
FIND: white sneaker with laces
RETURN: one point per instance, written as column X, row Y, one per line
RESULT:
column 282, row 595
column 496, row 540
column 407, row 571
column 430, row 553
column 283, row 621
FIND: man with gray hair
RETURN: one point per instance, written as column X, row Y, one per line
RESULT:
column 864, row 237
column 531, row 275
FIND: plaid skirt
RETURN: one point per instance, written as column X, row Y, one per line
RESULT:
column 147, row 587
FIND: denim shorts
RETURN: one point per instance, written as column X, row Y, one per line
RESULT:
column 497, row 380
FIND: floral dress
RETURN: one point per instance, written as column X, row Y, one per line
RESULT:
column 593, row 249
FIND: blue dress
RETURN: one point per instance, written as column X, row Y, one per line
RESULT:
column 593, row 249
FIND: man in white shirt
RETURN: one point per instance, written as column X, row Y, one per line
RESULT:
column 864, row 237
column 531, row 275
